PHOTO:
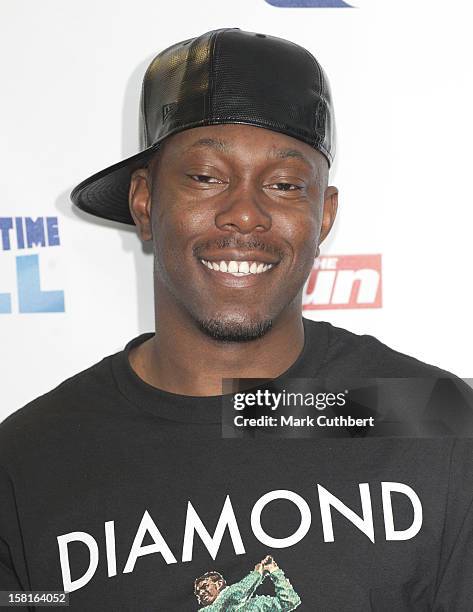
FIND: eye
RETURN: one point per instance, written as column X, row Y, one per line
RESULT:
column 203, row 178
column 285, row 186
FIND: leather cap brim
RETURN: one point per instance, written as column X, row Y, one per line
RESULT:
column 105, row 194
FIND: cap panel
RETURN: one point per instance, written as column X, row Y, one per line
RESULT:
column 271, row 82
column 325, row 124
column 175, row 88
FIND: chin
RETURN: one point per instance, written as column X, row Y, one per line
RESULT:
column 235, row 330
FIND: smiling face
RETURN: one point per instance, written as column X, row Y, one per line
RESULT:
column 207, row 589
column 236, row 214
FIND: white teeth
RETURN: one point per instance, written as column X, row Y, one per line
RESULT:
column 237, row 268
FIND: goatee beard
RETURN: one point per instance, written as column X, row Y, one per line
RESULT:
column 225, row 331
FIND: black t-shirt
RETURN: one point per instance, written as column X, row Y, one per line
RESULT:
column 123, row 494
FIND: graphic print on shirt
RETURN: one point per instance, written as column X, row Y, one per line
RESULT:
column 228, row 523
column 214, row 594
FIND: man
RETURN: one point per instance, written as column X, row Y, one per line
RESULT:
column 119, row 487
column 212, row 591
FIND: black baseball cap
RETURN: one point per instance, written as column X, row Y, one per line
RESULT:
column 223, row 76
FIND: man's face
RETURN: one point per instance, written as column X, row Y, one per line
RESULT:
column 207, row 590
column 237, row 213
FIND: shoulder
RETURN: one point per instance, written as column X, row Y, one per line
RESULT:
column 438, row 401
column 64, row 406
column 366, row 355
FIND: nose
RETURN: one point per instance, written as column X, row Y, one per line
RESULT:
column 243, row 210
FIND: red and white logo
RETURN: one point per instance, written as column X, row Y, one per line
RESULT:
column 344, row 281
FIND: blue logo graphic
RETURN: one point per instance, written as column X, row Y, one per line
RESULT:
column 310, row 3
column 19, row 233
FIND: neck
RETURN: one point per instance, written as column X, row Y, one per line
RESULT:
column 180, row 358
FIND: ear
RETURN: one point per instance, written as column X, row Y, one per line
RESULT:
column 139, row 199
column 329, row 213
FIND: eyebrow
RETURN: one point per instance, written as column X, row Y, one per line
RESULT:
column 287, row 153
column 224, row 147
column 213, row 143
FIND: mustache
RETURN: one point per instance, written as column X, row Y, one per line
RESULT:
column 253, row 244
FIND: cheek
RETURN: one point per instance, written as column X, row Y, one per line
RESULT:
column 176, row 225
column 167, row 234
column 179, row 217
column 302, row 235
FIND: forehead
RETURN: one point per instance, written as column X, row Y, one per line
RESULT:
column 241, row 139
column 204, row 582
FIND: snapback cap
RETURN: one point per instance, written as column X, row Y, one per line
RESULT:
column 223, row 76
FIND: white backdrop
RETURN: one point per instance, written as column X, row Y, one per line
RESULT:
column 71, row 73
